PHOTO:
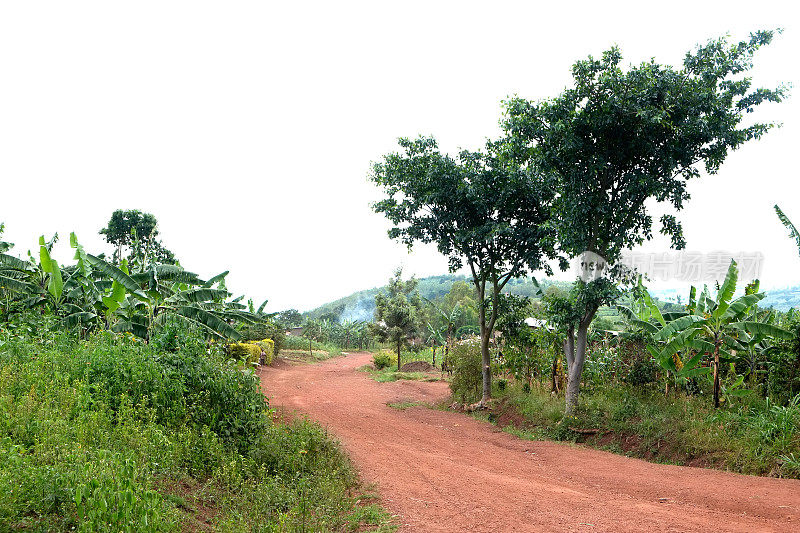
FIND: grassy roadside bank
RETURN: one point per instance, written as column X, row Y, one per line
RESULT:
column 756, row 438
column 111, row 434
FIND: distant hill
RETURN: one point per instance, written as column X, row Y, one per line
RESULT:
column 361, row 305
column 782, row 299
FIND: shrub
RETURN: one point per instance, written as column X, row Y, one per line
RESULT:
column 265, row 330
column 465, row 358
column 642, row 371
column 248, row 352
column 382, row 360
column 267, row 351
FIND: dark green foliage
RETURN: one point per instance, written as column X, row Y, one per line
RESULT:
column 620, row 138
column 137, row 231
column 643, row 371
column 465, row 357
column 481, row 209
column 397, row 313
column 265, row 330
column 291, row 318
column 95, row 432
column 756, row 436
column 382, row 360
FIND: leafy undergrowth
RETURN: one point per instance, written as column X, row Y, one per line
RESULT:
column 757, row 437
column 111, row 434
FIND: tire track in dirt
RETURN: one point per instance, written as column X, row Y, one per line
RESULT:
column 442, row 471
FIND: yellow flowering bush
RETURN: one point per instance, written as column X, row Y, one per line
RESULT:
column 267, row 350
column 245, row 351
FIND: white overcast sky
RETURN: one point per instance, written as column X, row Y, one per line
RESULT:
column 248, row 128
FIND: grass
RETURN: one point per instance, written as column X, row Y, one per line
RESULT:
column 112, row 431
column 390, row 374
column 294, row 344
column 752, row 437
column 303, row 356
column 402, row 406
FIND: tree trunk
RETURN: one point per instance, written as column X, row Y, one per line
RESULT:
column 434, row 355
column 398, row 356
column 794, row 371
column 716, row 374
column 486, row 363
column 575, row 369
column 553, row 385
column 578, row 358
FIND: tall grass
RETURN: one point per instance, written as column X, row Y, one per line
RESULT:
column 754, row 436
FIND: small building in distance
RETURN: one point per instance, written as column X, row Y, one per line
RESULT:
column 295, row 332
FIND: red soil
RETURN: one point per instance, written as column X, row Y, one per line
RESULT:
column 444, row 471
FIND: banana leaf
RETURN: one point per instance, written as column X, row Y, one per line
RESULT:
column 208, row 320
column 114, row 273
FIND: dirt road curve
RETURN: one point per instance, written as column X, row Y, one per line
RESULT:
column 443, row 471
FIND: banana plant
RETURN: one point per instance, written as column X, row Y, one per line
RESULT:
column 94, row 293
column 716, row 329
column 450, row 321
column 643, row 313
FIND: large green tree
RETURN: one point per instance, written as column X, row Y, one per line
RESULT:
column 621, row 137
column 138, row 232
column 479, row 208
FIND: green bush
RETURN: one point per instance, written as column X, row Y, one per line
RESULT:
column 246, row 352
column 467, row 382
column 642, row 371
column 95, row 432
column 383, row 360
column 267, row 354
column 266, row 330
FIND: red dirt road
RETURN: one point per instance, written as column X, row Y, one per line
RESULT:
column 441, row 471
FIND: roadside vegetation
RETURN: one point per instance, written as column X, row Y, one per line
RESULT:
column 129, row 401
column 572, row 179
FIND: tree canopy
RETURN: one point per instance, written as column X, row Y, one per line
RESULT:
column 480, row 209
column 137, row 231
column 621, row 137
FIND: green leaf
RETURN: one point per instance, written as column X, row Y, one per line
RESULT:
column 44, row 256
column 201, row 295
column 677, row 343
column 56, row 284
column 15, row 285
column 677, row 325
column 741, row 305
column 651, row 305
column 210, row 321
column 216, row 279
column 726, row 290
column 114, row 273
column 80, row 256
column 81, row 317
column 692, row 305
column 766, row 330
column 694, row 372
column 793, row 233
column 646, row 326
column 11, row 262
